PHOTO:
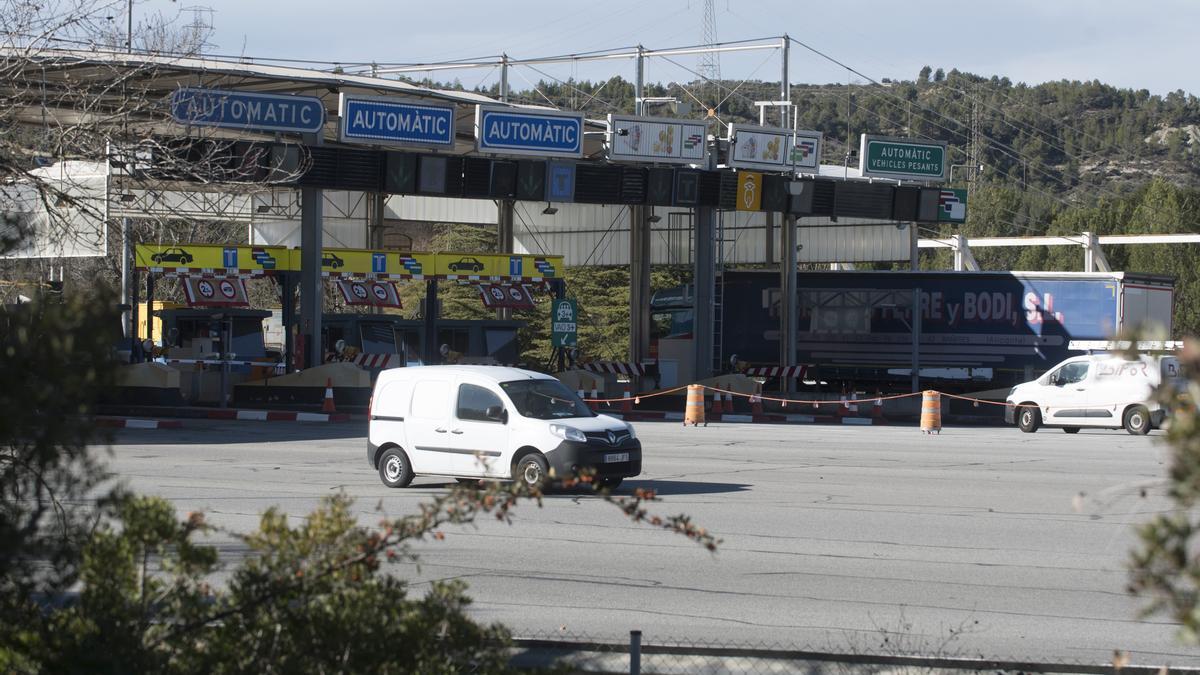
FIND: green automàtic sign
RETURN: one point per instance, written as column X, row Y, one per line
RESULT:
column 912, row 159
column 563, row 323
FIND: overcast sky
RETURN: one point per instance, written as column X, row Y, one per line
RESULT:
column 1150, row 44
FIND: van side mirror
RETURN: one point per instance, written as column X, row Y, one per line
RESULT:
column 496, row 413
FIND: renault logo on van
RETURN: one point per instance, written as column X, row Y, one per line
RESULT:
column 612, row 438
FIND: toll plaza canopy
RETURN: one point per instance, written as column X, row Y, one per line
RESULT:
column 154, row 78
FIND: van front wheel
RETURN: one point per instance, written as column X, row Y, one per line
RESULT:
column 394, row 469
column 531, row 470
column 1137, row 420
column 1029, row 419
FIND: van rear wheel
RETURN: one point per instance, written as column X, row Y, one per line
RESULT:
column 1029, row 419
column 1137, row 420
column 1071, row 430
column 394, row 469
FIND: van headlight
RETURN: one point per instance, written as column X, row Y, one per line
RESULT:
column 629, row 427
column 568, row 433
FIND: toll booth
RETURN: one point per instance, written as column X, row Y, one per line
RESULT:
column 202, row 331
column 383, row 334
column 214, row 349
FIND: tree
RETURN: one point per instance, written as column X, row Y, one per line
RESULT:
column 923, row 76
column 1165, row 567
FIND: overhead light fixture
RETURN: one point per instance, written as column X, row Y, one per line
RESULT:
column 654, row 218
column 549, row 210
column 263, row 208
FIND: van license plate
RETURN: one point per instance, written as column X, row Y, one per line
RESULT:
column 615, row 457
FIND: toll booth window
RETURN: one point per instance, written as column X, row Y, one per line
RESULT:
column 459, row 339
column 501, row 343
column 378, row 338
column 410, row 341
column 248, row 337
column 670, row 323
column 190, row 329
column 332, row 333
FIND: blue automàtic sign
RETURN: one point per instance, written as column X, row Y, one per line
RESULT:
column 247, row 111
column 395, row 122
column 509, row 131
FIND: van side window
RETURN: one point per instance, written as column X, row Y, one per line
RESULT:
column 1073, row 372
column 474, row 401
column 429, row 400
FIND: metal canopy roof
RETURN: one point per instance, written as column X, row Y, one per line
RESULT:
column 156, row 76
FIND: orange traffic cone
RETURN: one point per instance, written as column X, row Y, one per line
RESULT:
column 594, row 404
column 756, row 405
column 626, row 403
column 328, row 406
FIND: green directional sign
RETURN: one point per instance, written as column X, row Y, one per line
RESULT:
column 531, row 181
column 902, row 159
column 564, row 325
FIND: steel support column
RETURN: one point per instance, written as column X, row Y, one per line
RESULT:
column 704, row 274
column 127, row 265
column 432, row 354
column 639, row 283
column 149, row 310
column 769, row 245
column 785, row 93
column 788, row 299
column 504, row 240
column 312, row 290
column 287, row 304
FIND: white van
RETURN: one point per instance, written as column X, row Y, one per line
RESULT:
column 1098, row 390
column 473, row 422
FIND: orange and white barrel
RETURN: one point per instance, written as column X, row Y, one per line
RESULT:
column 693, row 410
column 931, row 412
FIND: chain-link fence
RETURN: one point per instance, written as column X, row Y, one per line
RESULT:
column 567, row 653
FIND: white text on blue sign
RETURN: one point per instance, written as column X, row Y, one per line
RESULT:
column 539, row 134
column 398, row 122
column 239, row 110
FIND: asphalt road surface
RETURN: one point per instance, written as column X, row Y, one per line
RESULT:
column 974, row 542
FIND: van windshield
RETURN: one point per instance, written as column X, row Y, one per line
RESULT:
column 545, row 399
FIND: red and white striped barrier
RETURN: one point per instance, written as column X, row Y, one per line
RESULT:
column 381, row 361
column 614, row 368
column 778, row 371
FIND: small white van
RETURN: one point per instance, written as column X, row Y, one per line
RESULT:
column 473, row 422
column 1098, row 390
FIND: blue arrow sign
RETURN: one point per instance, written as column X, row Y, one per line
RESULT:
column 509, row 132
column 383, row 121
column 247, row 111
